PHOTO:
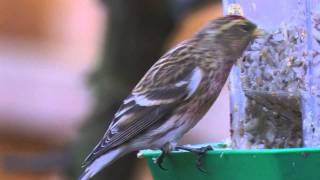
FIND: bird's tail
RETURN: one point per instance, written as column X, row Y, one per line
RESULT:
column 101, row 162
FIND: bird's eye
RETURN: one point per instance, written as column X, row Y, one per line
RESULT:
column 244, row 28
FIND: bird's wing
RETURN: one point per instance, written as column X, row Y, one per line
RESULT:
column 163, row 88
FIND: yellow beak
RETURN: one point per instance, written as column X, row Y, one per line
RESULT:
column 258, row 32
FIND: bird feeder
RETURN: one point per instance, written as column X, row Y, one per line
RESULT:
column 275, row 101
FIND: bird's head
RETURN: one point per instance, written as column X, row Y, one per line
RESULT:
column 230, row 34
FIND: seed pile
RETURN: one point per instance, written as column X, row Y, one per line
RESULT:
column 276, row 62
column 273, row 79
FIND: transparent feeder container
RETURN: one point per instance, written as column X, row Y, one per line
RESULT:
column 275, row 97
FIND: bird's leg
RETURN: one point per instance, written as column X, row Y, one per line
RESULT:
column 200, row 152
column 159, row 160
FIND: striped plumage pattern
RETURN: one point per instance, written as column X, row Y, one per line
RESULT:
column 174, row 94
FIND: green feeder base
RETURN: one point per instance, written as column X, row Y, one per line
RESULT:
column 224, row 164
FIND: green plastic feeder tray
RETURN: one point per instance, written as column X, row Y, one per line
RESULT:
column 226, row 164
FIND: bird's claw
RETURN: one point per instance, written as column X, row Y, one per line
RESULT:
column 159, row 160
column 200, row 152
column 199, row 159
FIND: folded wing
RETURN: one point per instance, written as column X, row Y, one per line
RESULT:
column 150, row 102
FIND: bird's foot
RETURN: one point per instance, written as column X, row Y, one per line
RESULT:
column 159, row 160
column 199, row 152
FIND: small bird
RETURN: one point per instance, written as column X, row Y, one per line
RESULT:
column 174, row 94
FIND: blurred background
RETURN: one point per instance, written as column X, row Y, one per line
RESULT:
column 66, row 65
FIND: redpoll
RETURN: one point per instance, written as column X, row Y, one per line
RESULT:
column 175, row 93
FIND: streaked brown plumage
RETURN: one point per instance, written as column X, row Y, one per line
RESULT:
column 175, row 93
